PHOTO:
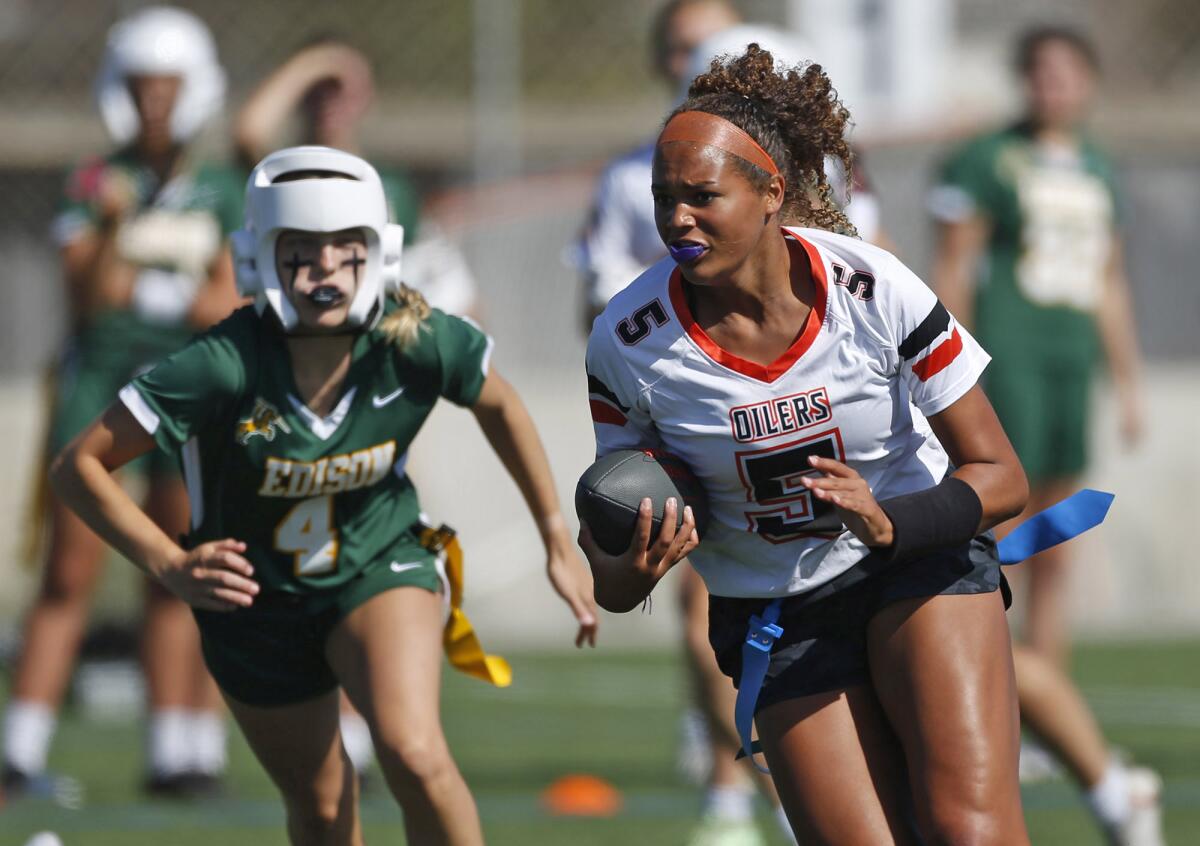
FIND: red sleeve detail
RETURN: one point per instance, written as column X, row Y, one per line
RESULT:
column 940, row 358
column 602, row 412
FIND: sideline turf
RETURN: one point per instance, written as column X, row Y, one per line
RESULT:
column 611, row 715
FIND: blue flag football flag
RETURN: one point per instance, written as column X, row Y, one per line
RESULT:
column 1060, row 522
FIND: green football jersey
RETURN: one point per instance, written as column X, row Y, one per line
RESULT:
column 173, row 234
column 315, row 499
column 1052, row 213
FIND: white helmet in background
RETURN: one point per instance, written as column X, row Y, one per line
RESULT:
column 786, row 47
column 160, row 40
column 345, row 193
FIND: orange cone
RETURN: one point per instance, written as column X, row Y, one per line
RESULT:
column 581, row 795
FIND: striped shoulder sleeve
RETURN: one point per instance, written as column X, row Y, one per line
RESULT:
column 939, row 359
column 620, row 411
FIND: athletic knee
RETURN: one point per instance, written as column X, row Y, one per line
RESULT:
column 64, row 587
column 415, row 757
column 967, row 821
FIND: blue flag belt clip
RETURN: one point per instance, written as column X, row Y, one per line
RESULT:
column 756, row 658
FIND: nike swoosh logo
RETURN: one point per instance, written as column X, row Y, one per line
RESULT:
column 380, row 402
column 397, row 567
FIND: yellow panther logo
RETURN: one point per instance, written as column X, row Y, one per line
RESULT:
column 264, row 420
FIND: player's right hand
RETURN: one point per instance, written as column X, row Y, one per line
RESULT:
column 626, row 579
column 214, row 576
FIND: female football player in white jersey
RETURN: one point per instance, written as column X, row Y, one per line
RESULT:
column 294, row 417
column 828, row 403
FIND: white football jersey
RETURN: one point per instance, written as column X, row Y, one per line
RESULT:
column 878, row 353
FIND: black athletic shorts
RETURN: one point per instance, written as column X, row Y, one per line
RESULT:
column 824, row 641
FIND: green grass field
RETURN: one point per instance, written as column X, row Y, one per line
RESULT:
column 612, row 715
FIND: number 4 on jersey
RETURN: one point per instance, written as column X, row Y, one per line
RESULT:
column 307, row 532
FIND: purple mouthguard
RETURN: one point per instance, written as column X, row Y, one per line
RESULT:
column 690, row 252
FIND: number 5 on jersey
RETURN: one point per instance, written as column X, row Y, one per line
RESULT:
column 772, row 478
column 307, row 533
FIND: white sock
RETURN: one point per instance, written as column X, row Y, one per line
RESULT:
column 168, row 742
column 730, row 802
column 1109, row 797
column 208, row 736
column 28, row 729
column 784, row 825
column 356, row 737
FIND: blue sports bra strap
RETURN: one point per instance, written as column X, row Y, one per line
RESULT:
column 756, row 658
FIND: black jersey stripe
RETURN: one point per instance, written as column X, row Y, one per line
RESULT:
column 934, row 324
column 595, row 386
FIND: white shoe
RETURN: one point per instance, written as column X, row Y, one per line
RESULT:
column 44, row 838
column 1144, row 826
column 693, row 756
column 713, row 831
column 1036, row 764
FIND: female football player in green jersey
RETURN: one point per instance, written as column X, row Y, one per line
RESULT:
column 1030, row 257
column 146, row 264
column 293, row 418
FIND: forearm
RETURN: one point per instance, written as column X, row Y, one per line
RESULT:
column 960, row 246
column 283, row 91
column 96, row 276
column 952, row 284
column 984, row 462
column 90, row 490
column 218, row 297
column 1115, row 321
column 1002, row 490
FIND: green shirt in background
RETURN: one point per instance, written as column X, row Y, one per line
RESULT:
column 1052, row 212
column 174, row 233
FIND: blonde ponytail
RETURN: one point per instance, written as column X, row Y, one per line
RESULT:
column 403, row 325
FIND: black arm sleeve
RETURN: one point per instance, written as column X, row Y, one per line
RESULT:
column 940, row 517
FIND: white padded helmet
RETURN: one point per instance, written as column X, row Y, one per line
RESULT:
column 352, row 200
column 160, row 40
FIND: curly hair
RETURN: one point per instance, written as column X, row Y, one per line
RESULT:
column 795, row 115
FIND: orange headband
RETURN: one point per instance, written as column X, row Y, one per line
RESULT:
column 705, row 128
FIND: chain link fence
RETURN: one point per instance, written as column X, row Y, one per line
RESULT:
column 541, row 92
column 473, row 89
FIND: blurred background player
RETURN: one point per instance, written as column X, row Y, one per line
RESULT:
column 142, row 237
column 1030, row 258
column 621, row 241
column 328, row 83
column 1125, row 800
column 1028, row 255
